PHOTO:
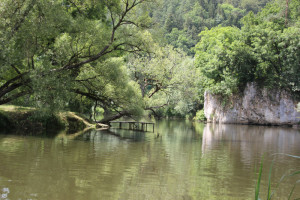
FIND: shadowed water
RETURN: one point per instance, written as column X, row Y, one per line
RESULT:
column 181, row 160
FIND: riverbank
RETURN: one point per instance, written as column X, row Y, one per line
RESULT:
column 26, row 120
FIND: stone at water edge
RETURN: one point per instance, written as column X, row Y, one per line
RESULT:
column 253, row 106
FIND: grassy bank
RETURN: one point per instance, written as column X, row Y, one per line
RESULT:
column 25, row 120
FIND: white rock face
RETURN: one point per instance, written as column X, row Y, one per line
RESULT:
column 254, row 106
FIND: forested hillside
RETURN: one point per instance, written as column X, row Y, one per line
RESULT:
column 135, row 57
column 180, row 22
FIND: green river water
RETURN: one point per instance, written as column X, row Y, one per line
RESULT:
column 181, row 160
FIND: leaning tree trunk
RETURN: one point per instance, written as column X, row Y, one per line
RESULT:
column 108, row 119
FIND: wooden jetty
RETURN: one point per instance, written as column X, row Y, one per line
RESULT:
column 137, row 126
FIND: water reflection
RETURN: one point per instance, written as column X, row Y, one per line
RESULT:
column 251, row 142
column 243, row 147
column 181, row 160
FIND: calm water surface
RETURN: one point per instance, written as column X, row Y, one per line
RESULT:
column 181, row 160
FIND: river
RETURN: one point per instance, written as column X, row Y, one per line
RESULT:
column 181, row 160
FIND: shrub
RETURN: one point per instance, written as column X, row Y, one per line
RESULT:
column 200, row 116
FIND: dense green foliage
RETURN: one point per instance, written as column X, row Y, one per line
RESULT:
column 180, row 21
column 166, row 80
column 26, row 120
column 200, row 116
column 119, row 57
column 265, row 50
column 55, row 54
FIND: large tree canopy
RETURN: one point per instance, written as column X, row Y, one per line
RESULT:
column 53, row 50
column 82, row 54
column 165, row 79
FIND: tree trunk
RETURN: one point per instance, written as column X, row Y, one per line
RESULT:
column 108, row 119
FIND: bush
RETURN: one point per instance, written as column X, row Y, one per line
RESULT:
column 200, row 116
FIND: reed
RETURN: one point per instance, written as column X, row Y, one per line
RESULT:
column 257, row 188
column 270, row 192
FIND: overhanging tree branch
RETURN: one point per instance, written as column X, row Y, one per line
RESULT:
column 14, row 96
column 115, row 26
column 108, row 119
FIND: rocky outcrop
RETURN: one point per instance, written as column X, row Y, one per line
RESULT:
column 254, row 106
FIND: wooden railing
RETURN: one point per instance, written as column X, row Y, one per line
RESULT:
column 132, row 125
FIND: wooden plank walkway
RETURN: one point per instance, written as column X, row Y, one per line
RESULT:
column 137, row 126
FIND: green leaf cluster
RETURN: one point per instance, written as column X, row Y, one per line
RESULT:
column 265, row 50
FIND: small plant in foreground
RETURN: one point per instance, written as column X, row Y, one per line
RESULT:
column 270, row 194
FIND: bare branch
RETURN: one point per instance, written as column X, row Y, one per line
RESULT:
column 13, row 97
column 19, row 77
column 114, row 117
column 75, row 6
column 16, row 69
column 157, row 88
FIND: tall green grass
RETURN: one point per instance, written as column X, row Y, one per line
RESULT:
column 270, row 192
column 257, row 188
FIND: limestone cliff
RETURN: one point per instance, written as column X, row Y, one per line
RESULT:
column 254, row 106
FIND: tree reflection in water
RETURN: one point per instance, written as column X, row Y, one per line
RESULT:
column 186, row 161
